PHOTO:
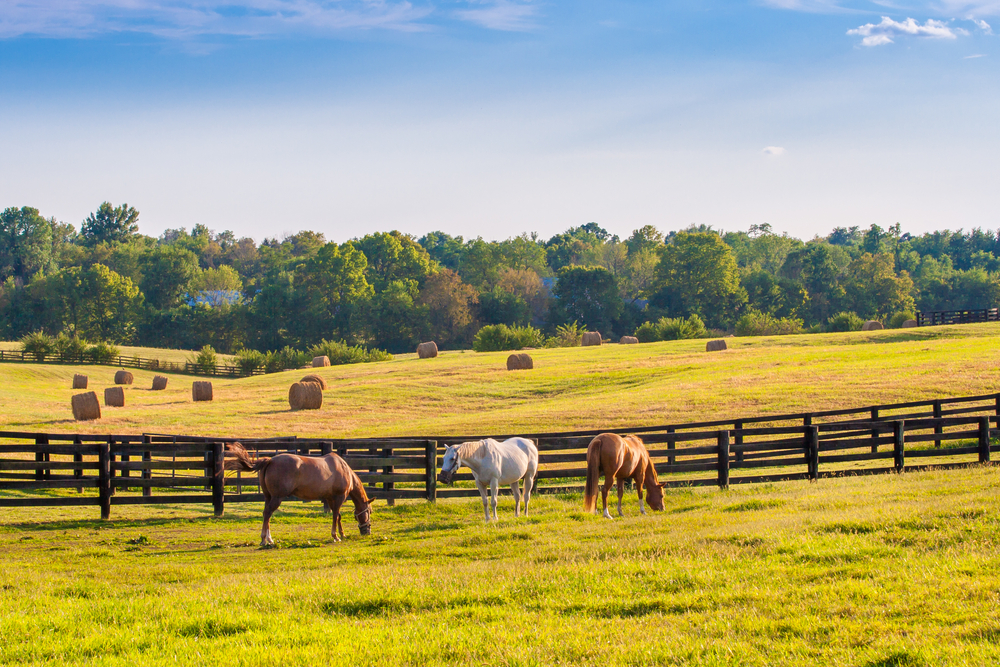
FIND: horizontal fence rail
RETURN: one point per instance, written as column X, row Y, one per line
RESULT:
column 958, row 316
column 187, row 367
column 61, row 470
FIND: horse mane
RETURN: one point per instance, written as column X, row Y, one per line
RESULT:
column 359, row 485
column 470, row 450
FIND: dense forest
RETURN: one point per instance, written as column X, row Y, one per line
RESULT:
column 185, row 289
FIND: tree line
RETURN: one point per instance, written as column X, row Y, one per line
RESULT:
column 186, row 289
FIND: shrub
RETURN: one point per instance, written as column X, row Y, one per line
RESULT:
column 567, row 335
column 756, row 323
column 845, row 321
column 205, row 360
column 286, row 357
column 69, row 347
column 102, row 353
column 897, row 319
column 38, row 344
column 340, row 352
column 499, row 337
column 249, row 361
column 671, row 328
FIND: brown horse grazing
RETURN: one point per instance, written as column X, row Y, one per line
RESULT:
column 620, row 459
column 327, row 478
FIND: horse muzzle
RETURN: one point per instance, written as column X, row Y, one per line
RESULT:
column 445, row 477
column 366, row 529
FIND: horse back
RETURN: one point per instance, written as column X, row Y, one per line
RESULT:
column 307, row 477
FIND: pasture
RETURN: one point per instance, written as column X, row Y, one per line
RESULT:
column 895, row 570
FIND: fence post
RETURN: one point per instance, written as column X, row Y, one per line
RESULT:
column 430, row 469
column 671, row 445
column 147, row 472
column 387, row 487
column 739, row 439
column 218, row 477
column 898, row 428
column 984, row 439
column 125, row 458
column 874, row 431
column 78, row 458
column 723, row 459
column 111, row 466
column 104, row 479
column 938, row 429
column 41, row 457
column 812, row 449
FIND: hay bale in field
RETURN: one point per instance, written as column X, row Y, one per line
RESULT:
column 315, row 379
column 520, row 362
column 159, row 383
column 86, row 406
column 123, row 377
column 79, row 381
column 114, row 397
column 319, row 362
column 628, row 340
column 909, row 323
column 872, row 325
column 591, row 338
column 305, row 396
column 427, row 350
column 201, row 390
column 716, row 345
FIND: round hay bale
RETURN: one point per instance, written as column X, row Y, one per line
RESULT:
column 909, row 323
column 427, row 350
column 79, row 381
column 305, row 396
column 628, row 340
column 201, row 390
column 591, row 338
column 315, row 379
column 123, row 377
column 114, row 397
column 159, row 382
column 86, row 406
column 519, row 362
column 872, row 325
column 716, row 345
column 319, row 362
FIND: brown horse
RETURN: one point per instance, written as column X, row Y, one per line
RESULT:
column 620, row 459
column 327, row 478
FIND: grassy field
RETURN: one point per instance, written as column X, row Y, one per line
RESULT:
column 467, row 392
column 900, row 570
column 888, row 571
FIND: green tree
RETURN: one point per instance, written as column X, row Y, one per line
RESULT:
column 393, row 256
column 25, row 244
column 646, row 238
column 449, row 304
column 110, row 224
column 330, row 286
column 697, row 274
column 393, row 319
column 589, row 295
column 97, row 303
column 167, row 272
column 872, row 288
column 818, row 267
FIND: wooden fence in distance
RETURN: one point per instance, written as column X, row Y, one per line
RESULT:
column 186, row 367
column 47, row 469
column 958, row 317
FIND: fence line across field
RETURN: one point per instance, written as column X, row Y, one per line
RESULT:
column 122, row 361
column 39, row 469
column 933, row 318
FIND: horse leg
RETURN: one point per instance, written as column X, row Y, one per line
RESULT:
column 621, row 492
column 482, row 492
column 639, row 481
column 336, row 502
column 494, row 492
column 608, row 481
column 270, row 506
column 528, row 483
column 516, row 491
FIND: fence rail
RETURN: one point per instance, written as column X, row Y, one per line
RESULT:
column 187, row 367
column 958, row 316
column 39, row 469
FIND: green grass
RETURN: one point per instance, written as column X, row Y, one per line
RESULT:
column 473, row 393
column 892, row 570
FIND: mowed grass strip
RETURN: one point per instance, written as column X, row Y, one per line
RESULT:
column 891, row 570
column 569, row 388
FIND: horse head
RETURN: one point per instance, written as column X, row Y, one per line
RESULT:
column 654, row 496
column 450, row 465
column 363, row 514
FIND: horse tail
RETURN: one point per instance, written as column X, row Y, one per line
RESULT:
column 593, row 474
column 239, row 459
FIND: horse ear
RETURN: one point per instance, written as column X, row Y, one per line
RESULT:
column 662, row 484
column 371, row 500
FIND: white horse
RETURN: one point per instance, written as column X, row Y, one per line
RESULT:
column 494, row 463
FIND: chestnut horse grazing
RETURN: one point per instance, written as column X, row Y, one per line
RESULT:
column 620, row 459
column 327, row 478
column 493, row 464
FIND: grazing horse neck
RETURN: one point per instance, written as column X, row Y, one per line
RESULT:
column 650, row 480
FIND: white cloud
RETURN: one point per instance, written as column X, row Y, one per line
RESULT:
column 983, row 25
column 500, row 14
column 191, row 18
column 978, row 55
column 774, row 151
column 875, row 34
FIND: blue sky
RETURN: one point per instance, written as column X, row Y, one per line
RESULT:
column 493, row 117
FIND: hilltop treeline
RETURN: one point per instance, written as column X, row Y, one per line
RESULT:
column 186, row 289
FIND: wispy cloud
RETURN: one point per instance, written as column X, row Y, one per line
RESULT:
column 193, row 18
column 773, row 151
column 978, row 55
column 876, row 34
column 983, row 25
column 500, row 14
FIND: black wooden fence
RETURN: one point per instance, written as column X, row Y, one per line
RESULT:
column 187, row 367
column 958, row 317
column 59, row 470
